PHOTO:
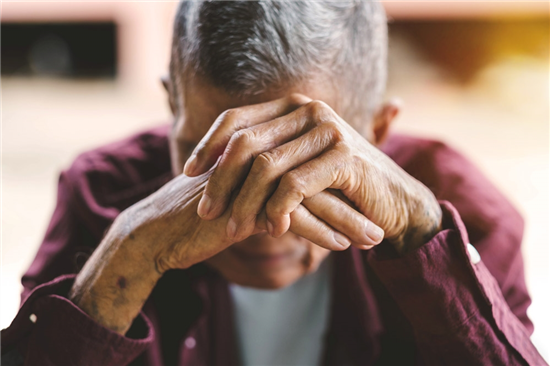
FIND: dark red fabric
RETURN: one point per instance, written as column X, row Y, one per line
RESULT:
column 431, row 307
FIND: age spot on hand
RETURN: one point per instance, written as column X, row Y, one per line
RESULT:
column 121, row 282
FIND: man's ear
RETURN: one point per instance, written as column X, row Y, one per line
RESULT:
column 167, row 84
column 383, row 119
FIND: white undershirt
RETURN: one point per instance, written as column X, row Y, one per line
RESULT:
column 283, row 327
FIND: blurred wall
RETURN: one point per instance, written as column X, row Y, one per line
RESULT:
column 144, row 28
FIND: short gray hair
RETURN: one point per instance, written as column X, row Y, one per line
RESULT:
column 248, row 47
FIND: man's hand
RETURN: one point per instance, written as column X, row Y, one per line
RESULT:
column 280, row 163
column 158, row 233
column 164, row 232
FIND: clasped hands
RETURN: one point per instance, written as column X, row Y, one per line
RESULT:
column 289, row 164
column 293, row 163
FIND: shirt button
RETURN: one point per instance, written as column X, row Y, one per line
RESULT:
column 475, row 258
column 32, row 318
column 190, row 342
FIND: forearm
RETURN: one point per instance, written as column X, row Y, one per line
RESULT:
column 117, row 279
column 145, row 240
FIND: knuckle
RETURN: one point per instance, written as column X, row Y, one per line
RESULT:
column 290, row 187
column 333, row 130
column 242, row 139
column 264, row 163
column 320, row 111
column 229, row 115
column 315, row 106
column 297, row 99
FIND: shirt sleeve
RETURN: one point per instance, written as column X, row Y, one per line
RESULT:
column 453, row 303
column 51, row 330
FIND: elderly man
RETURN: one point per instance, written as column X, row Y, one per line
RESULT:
column 276, row 222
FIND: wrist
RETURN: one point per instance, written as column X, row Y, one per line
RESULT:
column 117, row 279
column 424, row 222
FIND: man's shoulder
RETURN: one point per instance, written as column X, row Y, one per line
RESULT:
column 408, row 150
column 118, row 174
column 435, row 163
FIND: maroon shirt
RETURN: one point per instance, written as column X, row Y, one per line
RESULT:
column 432, row 307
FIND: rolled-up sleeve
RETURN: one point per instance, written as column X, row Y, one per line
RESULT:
column 51, row 330
column 453, row 303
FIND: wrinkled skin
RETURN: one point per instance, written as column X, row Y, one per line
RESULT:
column 289, row 165
column 296, row 156
column 310, row 238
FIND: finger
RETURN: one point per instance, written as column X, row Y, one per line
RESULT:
column 345, row 219
column 247, row 143
column 239, row 155
column 330, row 170
column 216, row 139
column 266, row 170
column 306, row 225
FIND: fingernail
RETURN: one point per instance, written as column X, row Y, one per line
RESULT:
column 375, row 233
column 366, row 247
column 342, row 240
column 231, row 228
column 269, row 228
column 205, row 205
column 190, row 165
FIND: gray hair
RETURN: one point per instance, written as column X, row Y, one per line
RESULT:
column 248, row 47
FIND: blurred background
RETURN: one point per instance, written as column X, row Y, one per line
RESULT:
column 76, row 75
